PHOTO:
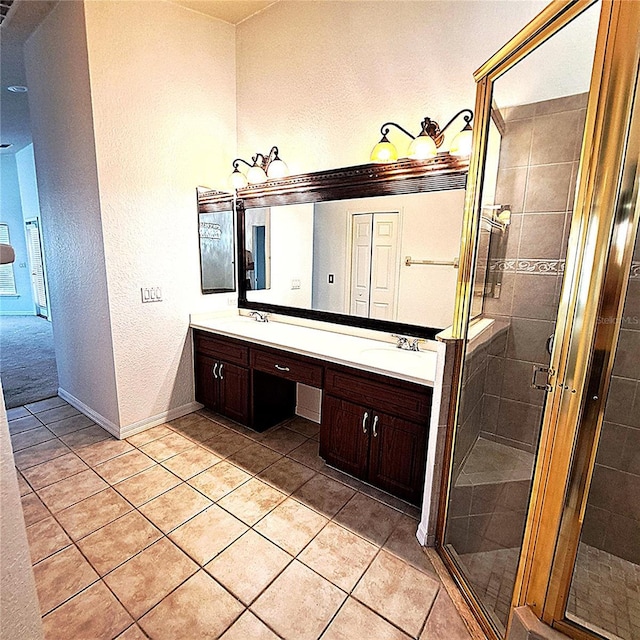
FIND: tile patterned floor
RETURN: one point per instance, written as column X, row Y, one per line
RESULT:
column 203, row 529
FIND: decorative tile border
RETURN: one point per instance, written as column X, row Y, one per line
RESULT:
column 542, row 267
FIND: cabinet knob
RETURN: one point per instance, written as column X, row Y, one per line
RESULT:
column 364, row 422
column 375, row 423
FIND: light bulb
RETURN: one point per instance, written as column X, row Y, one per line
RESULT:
column 277, row 169
column 256, row 175
column 384, row 151
column 238, row 179
column 462, row 143
column 422, row 148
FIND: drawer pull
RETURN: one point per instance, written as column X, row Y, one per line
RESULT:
column 280, row 368
column 375, row 422
column 364, row 422
column 215, row 370
column 220, row 372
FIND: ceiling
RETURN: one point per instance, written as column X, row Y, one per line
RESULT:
column 21, row 19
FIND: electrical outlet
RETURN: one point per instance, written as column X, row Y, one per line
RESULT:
column 151, row 294
column 295, row 284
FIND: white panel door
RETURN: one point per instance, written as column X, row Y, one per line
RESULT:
column 361, row 264
column 384, row 266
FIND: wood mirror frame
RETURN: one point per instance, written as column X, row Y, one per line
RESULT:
column 443, row 173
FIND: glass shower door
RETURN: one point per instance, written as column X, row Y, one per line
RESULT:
column 533, row 151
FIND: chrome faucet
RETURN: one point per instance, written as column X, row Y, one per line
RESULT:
column 259, row 316
column 407, row 344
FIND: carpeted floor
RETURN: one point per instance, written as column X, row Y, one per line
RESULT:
column 27, row 360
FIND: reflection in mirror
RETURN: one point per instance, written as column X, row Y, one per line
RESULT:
column 350, row 256
column 217, row 248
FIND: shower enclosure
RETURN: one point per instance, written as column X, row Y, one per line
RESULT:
column 542, row 496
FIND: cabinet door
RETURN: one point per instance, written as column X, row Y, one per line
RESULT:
column 206, row 383
column 234, row 392
column 343, row 441
column 398, row 456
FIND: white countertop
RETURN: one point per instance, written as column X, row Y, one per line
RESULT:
column 362, row 353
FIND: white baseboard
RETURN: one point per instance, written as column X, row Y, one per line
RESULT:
column 309, row 414
column 131, row 429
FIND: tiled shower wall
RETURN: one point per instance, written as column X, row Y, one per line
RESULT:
column 612, row 520
column 536, row 177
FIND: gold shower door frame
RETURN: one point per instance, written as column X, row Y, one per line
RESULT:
column 600, row 248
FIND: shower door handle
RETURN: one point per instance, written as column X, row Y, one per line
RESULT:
column 548, row 373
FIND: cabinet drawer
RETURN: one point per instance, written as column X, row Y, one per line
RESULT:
column 225, row 349
column 282, row 364
column 380, row 394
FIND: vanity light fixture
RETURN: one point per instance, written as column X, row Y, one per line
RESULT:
column 425, row 144
column 269, row 167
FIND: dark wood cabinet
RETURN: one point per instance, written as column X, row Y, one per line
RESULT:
column 382, row 436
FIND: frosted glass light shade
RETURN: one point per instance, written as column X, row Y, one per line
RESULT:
column 462, row 143
column 256, row 175
column 277, row 169
column 384, row 151
column 238, row 179
column 422, row 148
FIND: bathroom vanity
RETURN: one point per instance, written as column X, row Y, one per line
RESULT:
column 376, row 399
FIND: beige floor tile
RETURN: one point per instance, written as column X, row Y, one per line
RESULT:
column 175, row 507
column 339, row 556
column 66, row 492
column 248, row 566
column 40, row 453
column 94, row 512
column 85, row 437
column 30, row 438
column 23, row 486
column 118, row 541
column 324, row 495
column 404, row 544
column 182, row 616
column 94, row 454
column 191, row 462
column 291, row 526
column 307, row 454
column 254, row 458
column 33, row 509
column 169, row 445
column 286, row 475
column 248, row 627
column 219, row 480
column 133, row 633
column 356, row 621
column 444, row 621
column 54, row 470
column 124, row 466
column 24, row 424
column 147, row 485
column 48, row 403
column 149, row 435
column 299, row 604
column 206, row 535
column 94, row 613
column 283, row 440
column 252, row 501
column 369, row 518
column 69, row 425
column 57, row 413
column 140, row 583
column 45, row 538
column 398, row 592
column 225, row 443
column 61, row 576
column 306, row 427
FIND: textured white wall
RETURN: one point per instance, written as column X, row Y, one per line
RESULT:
column 62, row 130
column 19, row 609
column 319, row 78
column 163, row 97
